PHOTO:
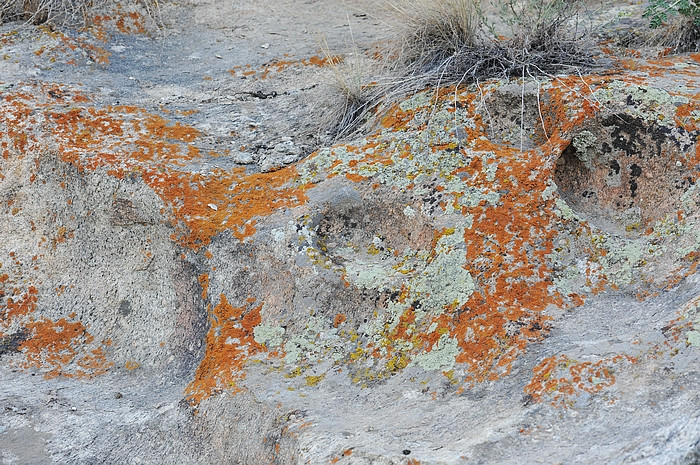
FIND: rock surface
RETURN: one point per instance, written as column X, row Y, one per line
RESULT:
column 501, row 273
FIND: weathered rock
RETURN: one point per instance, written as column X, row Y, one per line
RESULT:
column 473, row 282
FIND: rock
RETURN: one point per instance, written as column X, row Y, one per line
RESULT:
column 283, row 154
column 451, row 292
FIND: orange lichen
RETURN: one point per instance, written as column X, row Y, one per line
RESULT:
column 240, row 199
column 339, row 320
column 131, row 365
column 507, row 248
column 507, row 244
column 397, row 119
column 58, row 348
column 204, row 284
column 278, row 66
column 229, row 343
column 559, row 378
column 128, row 141
column 159, row 128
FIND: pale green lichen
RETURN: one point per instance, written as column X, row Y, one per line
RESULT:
column 296, row 347
column 564, row 211
column 442, row 355
column 269, row 336
column 420, row 100
column 568, row 279
column 444, row 281
column 367, row 275
column 378, row 327
column 315, row 339
column 473, row 196
column 548, row 192
column 694, row 338
column 620, row 264
column 650, row 104
column 583, row 142
column 690, row 199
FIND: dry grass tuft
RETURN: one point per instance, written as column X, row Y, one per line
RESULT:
column 453, row 41
column 435, row 31
column 43, row 11
column 680, row 33
column 60, row 12
column 354, row 100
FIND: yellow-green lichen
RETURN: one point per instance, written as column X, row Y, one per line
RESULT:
column 314, row 380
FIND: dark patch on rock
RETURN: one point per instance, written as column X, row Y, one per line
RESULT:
column 635, row 172
column 124, row 213
column 614, row 168
column 190, row 317
column 12, row 342
column 125, row 308
column 632, row 135
column 636, row 177
column 359, row 223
